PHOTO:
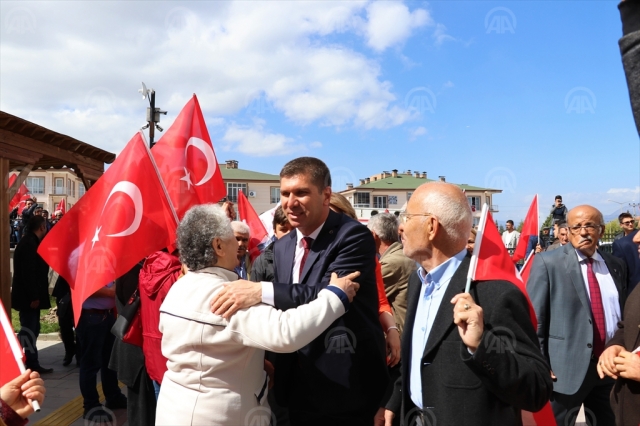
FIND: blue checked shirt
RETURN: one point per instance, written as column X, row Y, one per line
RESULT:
column 434, row 286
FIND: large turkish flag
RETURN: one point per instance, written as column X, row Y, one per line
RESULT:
column 187, row 162
column 22, row 190
column 124, row 217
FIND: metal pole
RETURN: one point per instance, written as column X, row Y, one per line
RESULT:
column 152, row 118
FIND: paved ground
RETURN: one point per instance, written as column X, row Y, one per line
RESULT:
column 63, row 402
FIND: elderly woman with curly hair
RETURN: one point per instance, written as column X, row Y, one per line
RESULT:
column 215, row 366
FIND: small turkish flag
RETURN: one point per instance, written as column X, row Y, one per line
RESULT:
column 125, row 216
column 491, row 261
column 62, row 207
column 22, row 191
column 23, row 202
column 248, row 215
column 529, row 229
column 187, row 162
column 10, row 351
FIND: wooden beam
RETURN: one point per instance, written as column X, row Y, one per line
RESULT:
column 5, row 251
column 19, row 154
column 48, row 150
column 19, row 180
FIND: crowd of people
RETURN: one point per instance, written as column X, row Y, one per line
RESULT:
column 345, row 324
column 21, row 214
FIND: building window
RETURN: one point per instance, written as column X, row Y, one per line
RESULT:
column 232, row 190
column 81, row 189
column 474, row 202
column 68, row 186
column 35, row 185
column 409, row 194
column 380, row 202
column 476, row 221
column 59, row 186
column 361, row 199
column 73, row 188
column 275, row 195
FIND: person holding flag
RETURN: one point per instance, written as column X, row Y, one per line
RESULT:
column 470, row 358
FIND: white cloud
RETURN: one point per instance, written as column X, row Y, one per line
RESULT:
column 440, row 35
column 391, row 23
column 255, row 141
column 79, row 75
column 635, row 190
column 415, row 133
column 316, row 144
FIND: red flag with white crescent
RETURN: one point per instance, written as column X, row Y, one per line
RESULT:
column 62, row 207
column 22, row 191
column 187, row 161
column 248, row 215
column 529, row 230
column 125, row 216
column 491, row 261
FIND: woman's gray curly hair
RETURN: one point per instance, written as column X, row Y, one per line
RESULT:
column 197, row 230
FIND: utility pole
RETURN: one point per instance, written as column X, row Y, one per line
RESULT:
column 153, row 113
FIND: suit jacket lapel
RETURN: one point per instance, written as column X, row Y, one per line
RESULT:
column 573, row 266
column 283, row 255
column 324, row 240
column 444, row 318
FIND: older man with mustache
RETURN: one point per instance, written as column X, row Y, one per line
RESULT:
column 578, row 293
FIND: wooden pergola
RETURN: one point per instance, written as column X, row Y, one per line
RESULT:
column 26, row 146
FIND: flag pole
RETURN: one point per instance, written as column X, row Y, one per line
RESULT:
column 164, row 188
column 15, row 348
column 476, row 247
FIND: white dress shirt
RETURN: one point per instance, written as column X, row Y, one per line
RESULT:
column 267, row 287
column 608, row 290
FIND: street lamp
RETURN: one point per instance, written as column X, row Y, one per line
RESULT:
column 153, row 113
column 618, row 202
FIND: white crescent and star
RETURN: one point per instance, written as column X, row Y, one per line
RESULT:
column 134, row 193
column 207, row 151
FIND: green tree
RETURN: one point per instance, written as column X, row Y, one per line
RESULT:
column 520, row 226
column 548, row 221
column 612, row 227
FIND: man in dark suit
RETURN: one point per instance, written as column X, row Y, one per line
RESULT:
column 627, row 250
column 467, row 359
column 340, row 377
column 578, row 293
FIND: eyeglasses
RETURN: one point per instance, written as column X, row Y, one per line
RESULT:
column 628, row 222
column 589, row 228
column 404, row 217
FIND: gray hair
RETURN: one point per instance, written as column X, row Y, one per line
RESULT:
column 240, row 227
column 453, row 214
column 385, row 226
column 196, row 232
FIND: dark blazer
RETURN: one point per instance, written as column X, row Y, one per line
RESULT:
column 30, row 275
column 625, row 396
column 558, row 293
column 506, row 374
column 344, row 370
column 627, row 250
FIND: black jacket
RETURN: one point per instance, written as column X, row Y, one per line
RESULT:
column 262, row 268
column 506, row 374
column 30, row 275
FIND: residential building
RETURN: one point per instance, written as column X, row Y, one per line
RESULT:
column 49, row 186
column 262, row 189
column 391, row 191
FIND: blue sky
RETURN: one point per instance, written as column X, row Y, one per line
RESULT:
column 528, row 96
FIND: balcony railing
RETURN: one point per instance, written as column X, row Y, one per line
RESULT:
column 493, row 208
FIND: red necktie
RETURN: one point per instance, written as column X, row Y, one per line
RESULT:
column 306, row 244
column 599, row 327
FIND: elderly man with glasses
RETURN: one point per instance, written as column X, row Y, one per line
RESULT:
column 578, row 293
